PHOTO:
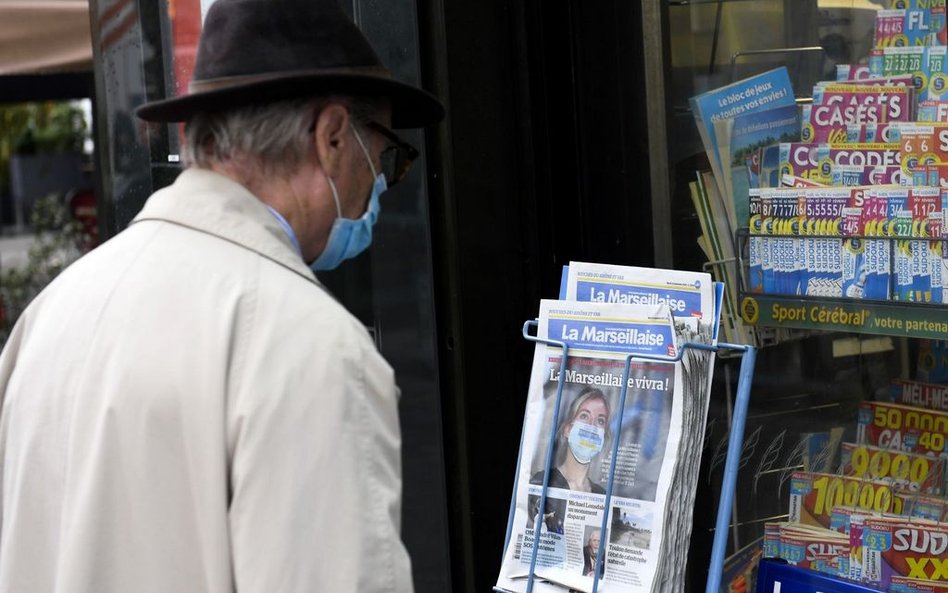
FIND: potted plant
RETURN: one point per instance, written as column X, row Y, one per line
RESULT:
column 57, row 242
column 41, row 152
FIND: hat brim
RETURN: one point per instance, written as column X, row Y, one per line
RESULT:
column 411, row 106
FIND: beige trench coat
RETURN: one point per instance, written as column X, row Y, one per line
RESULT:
column 187, row 410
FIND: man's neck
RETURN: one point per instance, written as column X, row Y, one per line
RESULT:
column 275, row 191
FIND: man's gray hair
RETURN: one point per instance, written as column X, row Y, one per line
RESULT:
column 270, row 139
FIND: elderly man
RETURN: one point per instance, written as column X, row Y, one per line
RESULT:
column 186, row 409
column 591, row 552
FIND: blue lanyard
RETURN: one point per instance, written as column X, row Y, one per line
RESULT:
column 286, row 229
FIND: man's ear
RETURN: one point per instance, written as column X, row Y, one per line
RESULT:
column 330, row 136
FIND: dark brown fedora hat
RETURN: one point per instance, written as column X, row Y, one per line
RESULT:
column 259, row 51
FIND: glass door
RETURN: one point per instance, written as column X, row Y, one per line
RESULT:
column 145, row 50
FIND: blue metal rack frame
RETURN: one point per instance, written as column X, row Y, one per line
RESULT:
column 716, row 568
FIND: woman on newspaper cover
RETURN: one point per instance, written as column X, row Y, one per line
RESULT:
column 584, row 431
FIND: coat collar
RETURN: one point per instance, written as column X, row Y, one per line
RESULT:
column 212, row 203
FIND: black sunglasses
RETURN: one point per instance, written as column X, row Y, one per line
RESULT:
column 397, row 157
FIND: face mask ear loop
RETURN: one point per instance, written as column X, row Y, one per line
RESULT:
column 364, row 150
column 335, row 196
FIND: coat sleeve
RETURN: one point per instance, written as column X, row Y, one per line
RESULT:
column 315, row 469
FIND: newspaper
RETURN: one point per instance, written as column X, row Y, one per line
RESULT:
column 691, row 299
column 662, row 427
column 695, row 370
column 687, row 294
column 570, row 526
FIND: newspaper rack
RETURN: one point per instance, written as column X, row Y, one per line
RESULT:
column 716, row 567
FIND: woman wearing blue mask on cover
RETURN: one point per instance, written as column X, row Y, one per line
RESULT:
column 581, row 437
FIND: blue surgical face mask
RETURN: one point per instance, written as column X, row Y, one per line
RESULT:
column 350, row 237
column 585, row 441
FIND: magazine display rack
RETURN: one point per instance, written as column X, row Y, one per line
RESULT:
column 866, row 316
column 732, row 461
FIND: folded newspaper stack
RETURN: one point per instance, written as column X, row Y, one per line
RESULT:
column 648, row 448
